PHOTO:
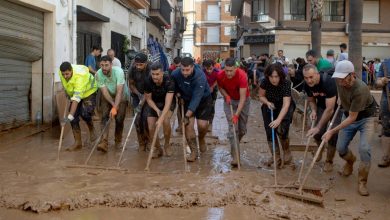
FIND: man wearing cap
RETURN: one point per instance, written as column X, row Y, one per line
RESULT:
column 383, row 81
column 321, row 93
column 81, row 87
column 138, row 74
column 191, row 85
column 322, row 64
column 111, row 82
column 359, row 106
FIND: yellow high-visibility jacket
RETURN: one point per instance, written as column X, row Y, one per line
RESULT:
column 81, row 85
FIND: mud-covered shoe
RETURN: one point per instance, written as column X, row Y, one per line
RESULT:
column 385, row 162
column 194, row 151
column 77, row 141
column 103, row 146
column 202, row 145
column 364, row 169
column 168, row 150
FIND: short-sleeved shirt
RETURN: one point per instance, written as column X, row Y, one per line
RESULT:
column 90, row 61
column 357, row 99
column 139, row 77
column 117, row 77
column 343, row 56
column 325, row 89
column 232, row 86
column 275, row 94
column 160, row 91
column 212, row 77
column 324, row 65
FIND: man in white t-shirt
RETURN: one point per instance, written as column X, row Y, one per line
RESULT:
column 115, row 61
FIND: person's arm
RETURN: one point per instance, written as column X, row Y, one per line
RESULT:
column 197, row 94
column 167, row 106
column 151, row 103
column 213, row 86
column 328, row 112
column 242, row 101
column 91, row 70
column 107, row 96
column 119, row 95
column 349, row 120
column 264, row 99
column 283, row 112
column 313, row 106
column 132, row 87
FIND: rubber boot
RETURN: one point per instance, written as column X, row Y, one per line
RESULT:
column 157, row 152
column 194, row 151
column 92, row 133
column 330, row 152
column 77, row 141
column 235, row 160
column 270, row 160
column 141, row 142
column 385, row 161
column 118, row 140
column 364, row 168
column 202, row 145
column 168, row 148
column 348, row 166
column 287, row 157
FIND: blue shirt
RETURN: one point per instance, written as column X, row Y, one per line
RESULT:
column 90, row 61
column 192, row 89
column 381, row 72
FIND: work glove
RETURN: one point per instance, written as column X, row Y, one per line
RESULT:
column 113, row 112
column 140, row 97
column 228, row 100
column 271, row 105
column 186, row 120
column 69, row 118
column 138, row 109
column 235, row 119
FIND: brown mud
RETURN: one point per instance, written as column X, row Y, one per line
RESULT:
column 32, row 179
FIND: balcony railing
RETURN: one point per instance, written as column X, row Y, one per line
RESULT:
column 163, row 8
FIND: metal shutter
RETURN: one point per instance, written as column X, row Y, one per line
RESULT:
column 21, row 42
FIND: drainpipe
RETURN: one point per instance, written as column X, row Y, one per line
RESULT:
column 74, row 31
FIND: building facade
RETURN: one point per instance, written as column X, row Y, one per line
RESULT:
column 266, row 26
column 209, row 28
column 37, row 36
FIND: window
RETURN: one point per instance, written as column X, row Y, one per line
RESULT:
column 213, row 35
column 295, row 10
column 227, row 8
column 371, row 12
column 213, row 13
column 260, row 10
column 334, row 10
column 228, row 31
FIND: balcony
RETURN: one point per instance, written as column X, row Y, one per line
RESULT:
column 160, row 12
column 137, row 4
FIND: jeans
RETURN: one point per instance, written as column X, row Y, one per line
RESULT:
column 347, row 134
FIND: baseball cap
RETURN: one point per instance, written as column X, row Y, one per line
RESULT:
column 140, row 58
column 343, row 69
column 330, row 52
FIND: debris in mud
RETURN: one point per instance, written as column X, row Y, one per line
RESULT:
column 340, row 199
column 258, row 189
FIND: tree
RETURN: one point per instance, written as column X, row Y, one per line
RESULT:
column 315, row 23
column 355, row 35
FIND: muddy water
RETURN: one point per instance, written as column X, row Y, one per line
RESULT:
column 32, row 179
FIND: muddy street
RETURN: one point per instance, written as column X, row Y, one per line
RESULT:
column 33, row 181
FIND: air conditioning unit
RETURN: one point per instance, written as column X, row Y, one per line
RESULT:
column 347, row 28
column 224, row 49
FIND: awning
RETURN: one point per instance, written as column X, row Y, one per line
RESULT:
column 85, row 14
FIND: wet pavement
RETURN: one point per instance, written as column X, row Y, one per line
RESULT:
column 33, row 180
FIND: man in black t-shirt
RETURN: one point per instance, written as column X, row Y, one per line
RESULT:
column 159, row 92
column 321, row 93
column 138, row 73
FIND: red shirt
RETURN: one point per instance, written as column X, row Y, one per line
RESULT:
column 232, row 86
column 212, row 77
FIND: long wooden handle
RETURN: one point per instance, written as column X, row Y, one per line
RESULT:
column 235, row 139
column 304, row 120
column 318, row 150
column 184, row 138
column 305, row 154
column 62, row 131
column 152, row 148
column 98, row 140
column 127, row 138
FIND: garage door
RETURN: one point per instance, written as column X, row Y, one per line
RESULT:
column 371, row 52
column 21, row 43
column 293, row 51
